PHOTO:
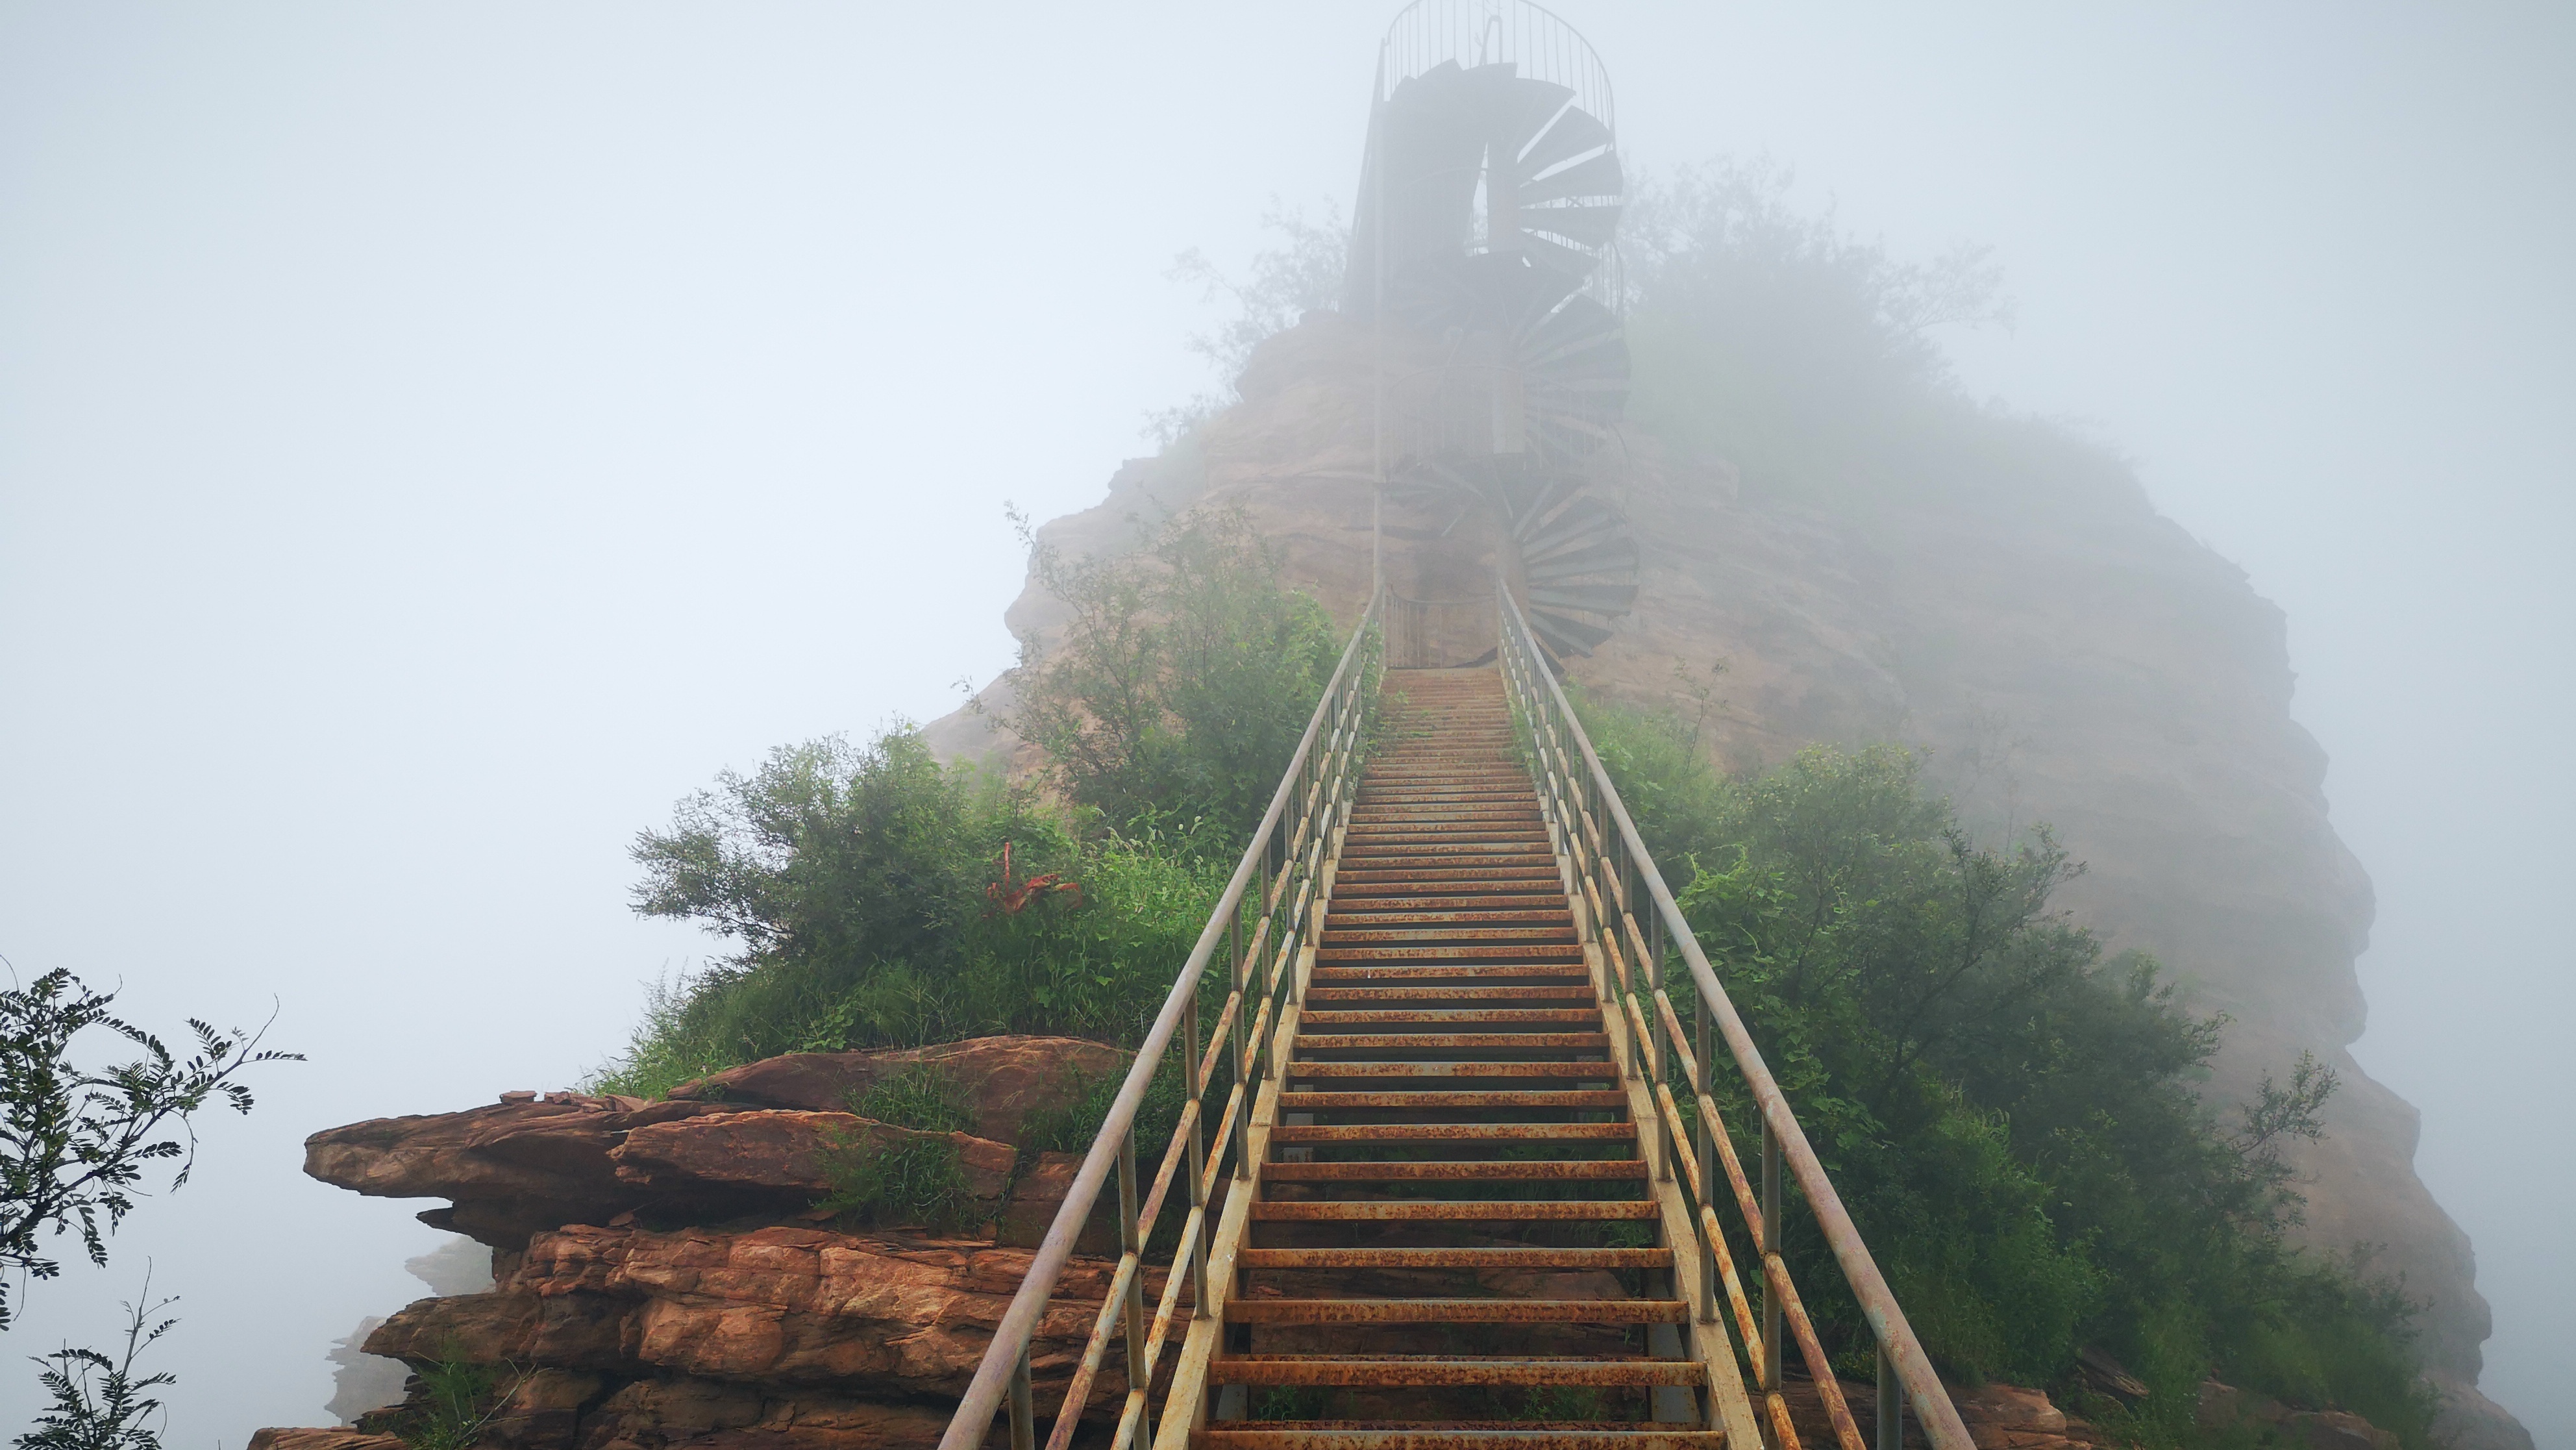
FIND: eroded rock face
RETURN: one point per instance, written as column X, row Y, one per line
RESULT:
column 517, row 1169
column 1004, row 1079
column 883, row 1315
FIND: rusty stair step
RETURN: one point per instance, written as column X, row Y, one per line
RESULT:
column 1465, row 1170
column 1316, row 1071
column 1329, row 975
column 1322, row 1021
column 1474, row 911
column 1495, row 954
column 1537, row 876
column 1409, row 1370
column 1506, row 1259
column 1454, row 1133
column 1457, row 1311
column 1323, row 1102
column 1473, row 1210
column 1324, row 996
column 1454, row 1042
column 1454, row 1435
column 1362, row 935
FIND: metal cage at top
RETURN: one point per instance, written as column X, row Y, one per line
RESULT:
column 1492, row 129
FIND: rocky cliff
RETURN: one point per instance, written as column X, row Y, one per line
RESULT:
column 2066, row 654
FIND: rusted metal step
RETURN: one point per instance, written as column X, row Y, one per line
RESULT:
column 1473, row 911
column 1317, row 1071
column 1473, row 1210
column 1328, row 1022
column 1452, row 1435
column 1428, row 1098
column 1406, row 1370
column 1505, row 1259
column 1422, row 880
column 1374, row 933
column 1329, row 996
column 1454, row 1042
column 1454, row 1133
column 1457, row 1311
column 1491, row 953
column 1465, row 1170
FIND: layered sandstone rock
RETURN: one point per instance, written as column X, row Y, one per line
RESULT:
column 887, row 1315
column 2066, row 654
column 749, row 1141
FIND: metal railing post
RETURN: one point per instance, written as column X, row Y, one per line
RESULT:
column 1196, row 1164
column 1704, row 1147
column 1770, row 1248
column 1891, row 1404
column 1024, row 1418
column 1131, row 1240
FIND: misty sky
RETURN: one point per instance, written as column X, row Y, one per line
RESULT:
column 435, row 438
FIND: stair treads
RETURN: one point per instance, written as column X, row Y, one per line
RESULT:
column 1425, row 1099
column 1457, row 1311
column 1474, row 1210
column 1453, row 1435
column 1587, row 1071
column 1506, row 1259
column 1465, row 1170
column 1441, row 1369
column 1454, row 1133
column 1457, row 1042
column 1326, row 996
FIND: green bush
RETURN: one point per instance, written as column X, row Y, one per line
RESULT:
column 2010, row 1115
column 858, row 885
column 861, row 888
column 1183, row 679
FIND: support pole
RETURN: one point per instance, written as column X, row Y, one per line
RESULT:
column 1770, row 1247
column 1891, row 1404
column 1131, row 1240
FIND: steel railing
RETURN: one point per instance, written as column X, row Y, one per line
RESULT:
column 1278, row 879
column 1609, row 870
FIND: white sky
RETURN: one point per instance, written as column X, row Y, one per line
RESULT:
column 434, row 438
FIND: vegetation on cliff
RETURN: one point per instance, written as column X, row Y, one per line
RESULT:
column 2010, row 1115
column 876, row 897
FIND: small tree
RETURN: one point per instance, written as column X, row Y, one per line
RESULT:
column 74, row 1143
column 98, row 1403
column 1184, row 678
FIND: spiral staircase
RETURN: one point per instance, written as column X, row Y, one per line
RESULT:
column 1485, row 238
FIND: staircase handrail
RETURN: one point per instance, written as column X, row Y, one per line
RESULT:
column 1313, row 790
column 1552, row 724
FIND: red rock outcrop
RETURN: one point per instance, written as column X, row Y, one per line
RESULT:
column 882, row 1314
column 517, row 1169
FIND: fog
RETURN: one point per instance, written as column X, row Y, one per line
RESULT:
column 434, row 438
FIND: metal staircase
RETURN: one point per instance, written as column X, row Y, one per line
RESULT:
column 1443, row 1192
column 1452, row 1120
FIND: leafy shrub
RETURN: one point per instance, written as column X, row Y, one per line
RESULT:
column 1183, row 679
column 2010, row 1115
column 853, row 882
